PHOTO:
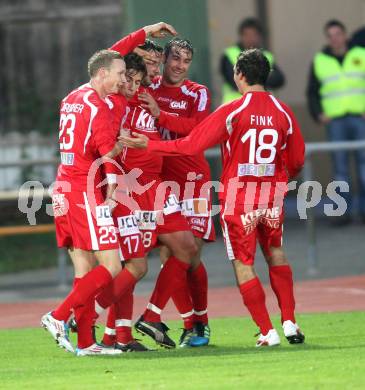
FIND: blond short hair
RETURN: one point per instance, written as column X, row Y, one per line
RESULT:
column 101, row 59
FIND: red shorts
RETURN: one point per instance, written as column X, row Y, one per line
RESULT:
column 242, row 230
column 196, row 204
column 82, row 221
column 129, row 236
column 154, row 212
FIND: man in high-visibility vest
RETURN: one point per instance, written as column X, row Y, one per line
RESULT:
column 336, row 99
column 249, row 37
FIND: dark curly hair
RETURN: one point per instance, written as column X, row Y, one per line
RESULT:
column 254, row 66
column 136, row 63
column 179, row 43
column 151, row 46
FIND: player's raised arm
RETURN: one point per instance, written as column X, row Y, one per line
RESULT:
column 131, row 41
column 208, row 133
column 179, row 124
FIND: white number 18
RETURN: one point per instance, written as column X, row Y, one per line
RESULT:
column 256, row 152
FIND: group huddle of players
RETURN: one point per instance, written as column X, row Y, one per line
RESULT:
column 143, row 135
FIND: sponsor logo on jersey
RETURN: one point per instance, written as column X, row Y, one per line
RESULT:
column 198, row 228
column 198, row 221
column 182, row 105
column 268, row 217
column 167, row 134
column 146, row 219
column 195, row 207
column 172, row 205
column 128, row 225
column 257, row 170
column 58, row 205
column 103, row 215
column 163, row 99
column 145, row 121
column 67, row 158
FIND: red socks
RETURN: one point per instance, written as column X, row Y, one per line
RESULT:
column 281, row 279
column 198, row 287
column 171, row 278
column 119, row 323
column 124, row 313
column 192, row 302
column 122, row 283
column 86, row 288
column 109, row 337
column 184, row 305
column 85, row 321
column 253, row 296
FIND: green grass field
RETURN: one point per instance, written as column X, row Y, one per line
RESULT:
column 332, row 358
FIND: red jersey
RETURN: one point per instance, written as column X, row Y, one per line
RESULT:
column 182, row 108
column 261, row 142
column 138, row 120
column 87, row 132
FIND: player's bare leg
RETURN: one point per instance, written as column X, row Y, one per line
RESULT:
column 281, row 280
column 83, row 261
column 253, row 296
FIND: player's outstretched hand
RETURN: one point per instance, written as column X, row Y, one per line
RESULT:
column 150, row 104
column 159, row 30
column 138, row 141
column 145, row 55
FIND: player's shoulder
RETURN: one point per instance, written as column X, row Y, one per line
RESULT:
column 193, row 86
column 282, row 106
column 116, row 100
column 232, row 108
column 235, row 104
column 76, row 93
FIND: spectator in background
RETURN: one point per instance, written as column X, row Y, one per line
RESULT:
column 336, row 99
column 249, row 37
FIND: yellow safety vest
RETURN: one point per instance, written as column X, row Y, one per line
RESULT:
column 342, row 87
column 232, row 52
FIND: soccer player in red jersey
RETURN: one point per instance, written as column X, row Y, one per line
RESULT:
column 197, row 277
column 172, row 230
column 179, row 104
column 262, row 147
column 82, row 215
column 117, row 104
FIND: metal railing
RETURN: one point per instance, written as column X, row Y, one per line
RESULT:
column 307, row 175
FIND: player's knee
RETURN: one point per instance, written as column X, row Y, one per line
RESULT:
column 137, row 267
column 114, row 267
column 189, row 251
column 276, row 257
column 141, row 270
